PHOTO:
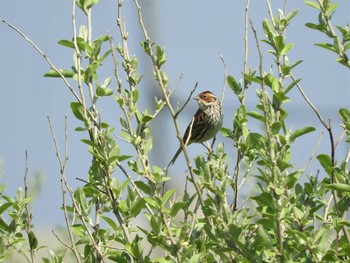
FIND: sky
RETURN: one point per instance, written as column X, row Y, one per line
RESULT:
column 194, row 35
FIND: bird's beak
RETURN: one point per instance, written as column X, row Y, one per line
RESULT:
column 196, row 98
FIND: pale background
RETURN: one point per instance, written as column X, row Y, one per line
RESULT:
column 195, row 34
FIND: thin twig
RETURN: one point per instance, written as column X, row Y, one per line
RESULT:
column 314, row 151
column 64, row 184
column 236, row 174
column 78, row 61
column 176, row 84
column 348, row 156
column 246, row 48
column 268, row 131
column 89, row 37
column 52, row 66
column 28, row 214
column 61, row 241
column 242, row 100
column 269, row 8
column 328, row 127
column 125, row 55
column 187, row 101
column 310, row 103
column 84, row 181
column 225, row 79
column 340, row 138
column 134, row 185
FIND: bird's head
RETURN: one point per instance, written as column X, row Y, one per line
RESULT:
column 206, row 99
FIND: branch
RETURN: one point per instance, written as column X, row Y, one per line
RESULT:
column 52, row 66
column 188, row 99
column 225, row 79
column 28, row 214
column 64, row 184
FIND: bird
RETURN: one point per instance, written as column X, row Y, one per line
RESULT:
column 206, row 122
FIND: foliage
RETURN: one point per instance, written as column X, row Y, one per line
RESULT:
column 285, row 220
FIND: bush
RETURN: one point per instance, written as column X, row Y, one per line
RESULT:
column 291, row 216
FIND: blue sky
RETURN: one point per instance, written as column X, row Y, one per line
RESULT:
column 194, row 34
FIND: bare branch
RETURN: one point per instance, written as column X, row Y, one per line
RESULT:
column 52, row 66
column 225, row 79
column 188, row 99
column 64, row 184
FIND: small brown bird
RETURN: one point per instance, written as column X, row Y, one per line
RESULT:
column 206, row 122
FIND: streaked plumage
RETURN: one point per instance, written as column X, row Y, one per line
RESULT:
column 207, row 121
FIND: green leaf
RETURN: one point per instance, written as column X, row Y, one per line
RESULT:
column 2, row 188
column 84, row 5
column 345, row 117
column 291, row 85
column 286, row 49
column 236, row 88
column 327, row 46
column 296, row 63
column 265, row 199
column 268, row 30
column 146, row 47
column 263, row 236
column 346, row 46
column 88, row 142
column 124, row 157
column 135, row 96
column 126, row 136
column 318, row 27
column 279, row 42
column 292, row 14
column 152, row 202
column 146, row 118
column 325, row 161
column 160, row 56
column 62, row 72
column 4, row 226
column 292, row 178
column 286, row 70
column 80, row 198
column 339, row 187
column 256, row 115
column 299, row 132
column 110, row 222
column 124, row 185
column 144, row 187
column 123, row 122
column 275, row 85
column 77, row 110
column 267, row 223
column 148, row 145
column 176, row 207
column 4, row 207
column 33, row 241
column 167, row 195
column 313, row 4
column 100, row 91
column 137, row 206
column 331, row 8
column 66, row 43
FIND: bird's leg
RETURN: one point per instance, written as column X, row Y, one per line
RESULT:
column 212, row 144
column 208, row 146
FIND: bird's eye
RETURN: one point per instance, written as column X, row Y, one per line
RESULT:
column 204, row 96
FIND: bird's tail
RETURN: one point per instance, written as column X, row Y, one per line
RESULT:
column 175, row 156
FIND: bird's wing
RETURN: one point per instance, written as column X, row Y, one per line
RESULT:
column 199, row 120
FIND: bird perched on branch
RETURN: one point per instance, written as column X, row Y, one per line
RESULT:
column 205, row 123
